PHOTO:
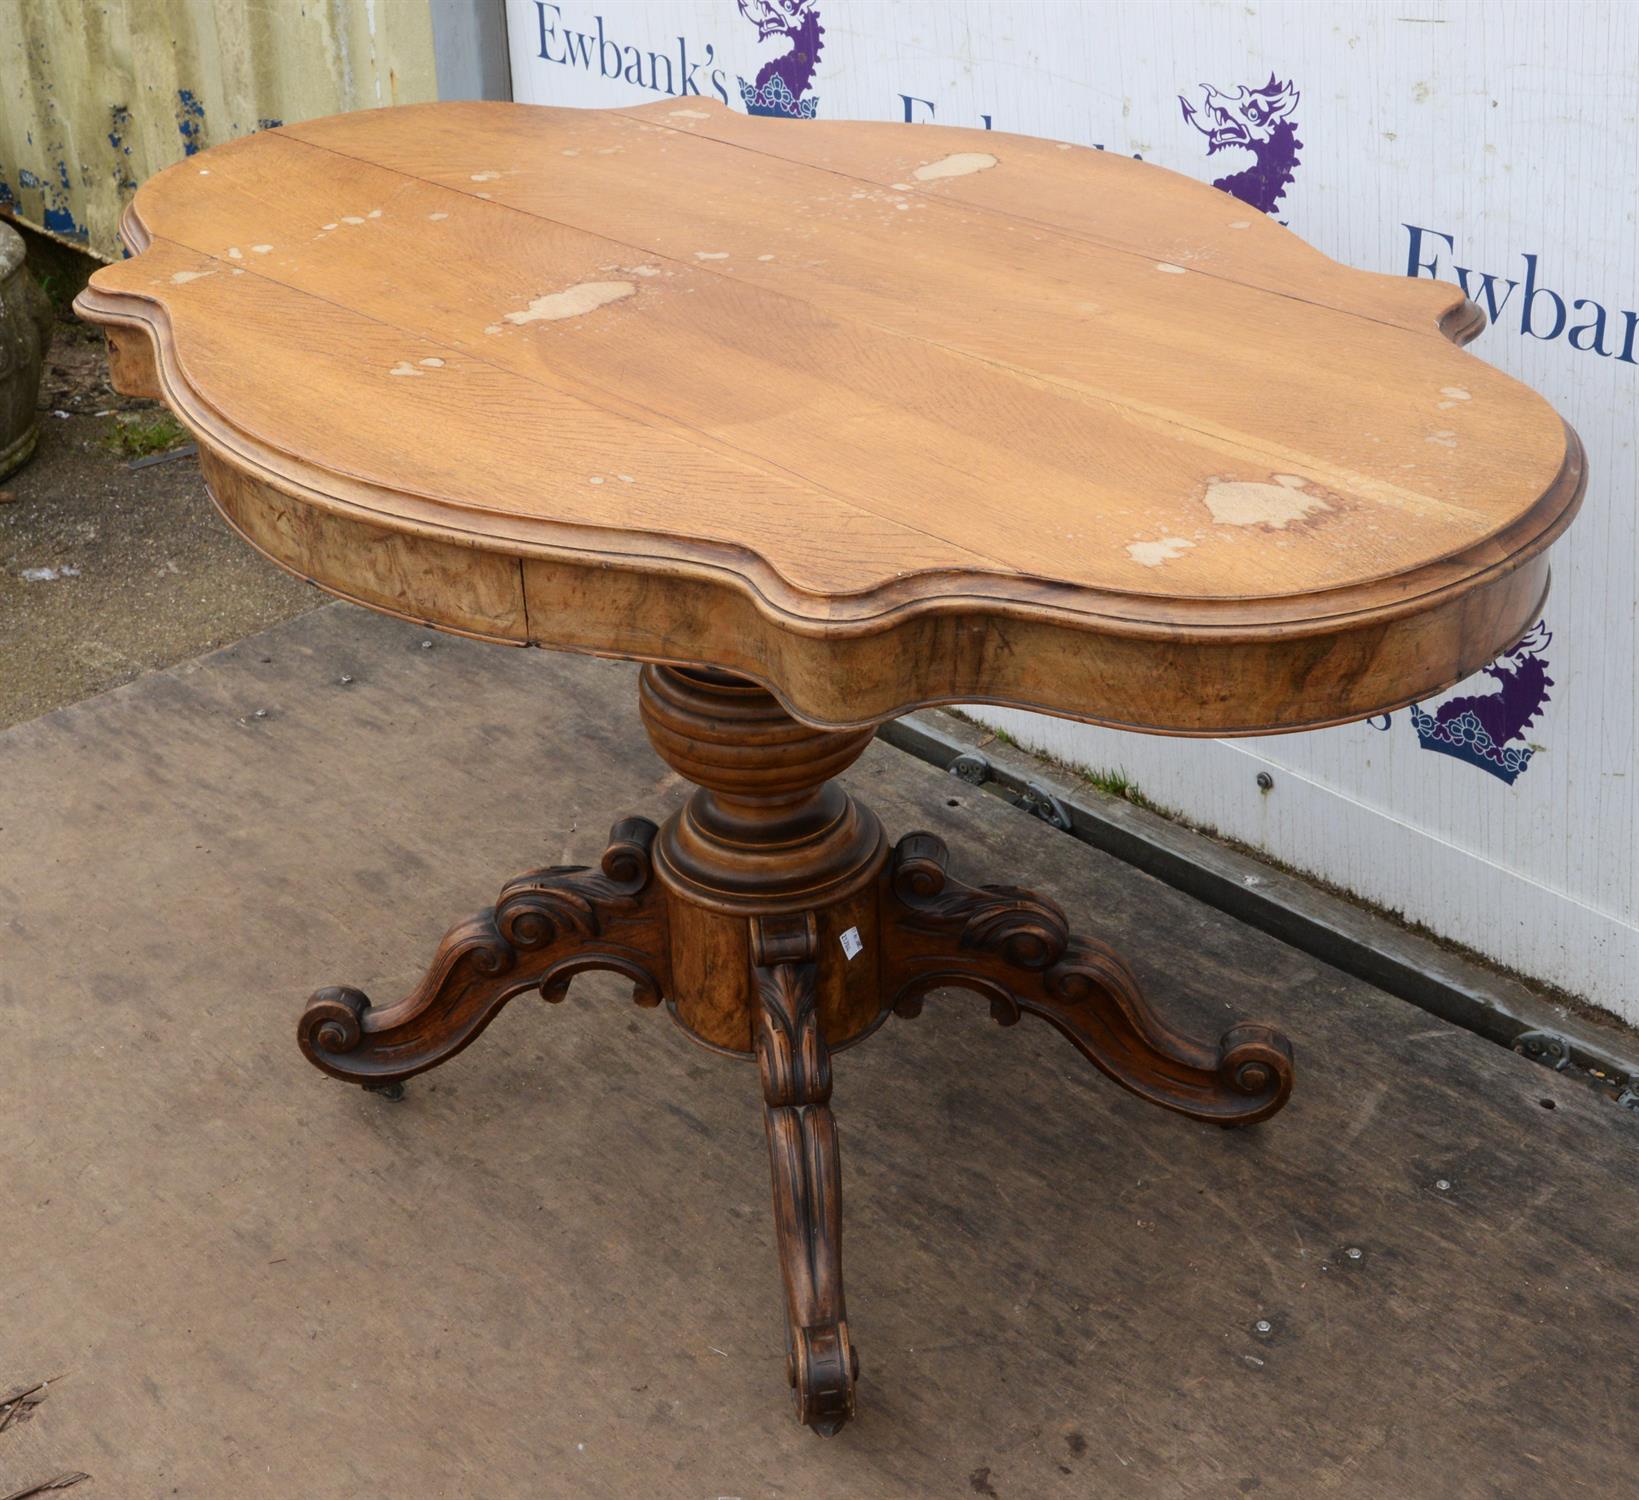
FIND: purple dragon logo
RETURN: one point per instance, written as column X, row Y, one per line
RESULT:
column 1255, row 120
column 1477, row 727
column 782, row 81
column 1480, row 727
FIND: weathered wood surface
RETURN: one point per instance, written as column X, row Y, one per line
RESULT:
column 552, row 1269
column 876, row 416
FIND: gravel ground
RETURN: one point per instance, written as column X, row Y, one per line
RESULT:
column 107, row 571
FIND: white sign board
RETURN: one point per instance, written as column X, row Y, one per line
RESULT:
column 1487, row 144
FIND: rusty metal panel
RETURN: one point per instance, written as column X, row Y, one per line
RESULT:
column 96, row 95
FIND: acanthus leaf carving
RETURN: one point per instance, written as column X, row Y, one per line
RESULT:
column 546, row 927
column 1015, row 950
column 806, row 1168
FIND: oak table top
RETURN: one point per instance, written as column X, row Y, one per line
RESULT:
column 876, row 415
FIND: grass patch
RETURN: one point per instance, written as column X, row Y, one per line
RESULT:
column 136, row 434
column 1118, row 784
column 1112, row 783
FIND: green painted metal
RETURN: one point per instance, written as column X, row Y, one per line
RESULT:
column 96, row 95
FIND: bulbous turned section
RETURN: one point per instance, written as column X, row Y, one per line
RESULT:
column 767, row 830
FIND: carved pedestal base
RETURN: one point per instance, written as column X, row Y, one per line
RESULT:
column 770, row 916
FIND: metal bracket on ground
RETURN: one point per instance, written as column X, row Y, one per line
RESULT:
column 1036, row 800
column 1545, row 1047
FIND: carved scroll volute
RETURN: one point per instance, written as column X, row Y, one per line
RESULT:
column 1015, row 949
column 805, row 1166
column 547, row 927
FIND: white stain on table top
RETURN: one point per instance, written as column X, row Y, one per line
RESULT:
column 1169, row 268
column 959, row 164
column 404, row 367
column 572, row 302
column 1153, row 554
column 1242, row 502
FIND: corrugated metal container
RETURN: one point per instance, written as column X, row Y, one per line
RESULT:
column 95, row 97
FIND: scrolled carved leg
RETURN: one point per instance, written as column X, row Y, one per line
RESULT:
column 806, row 1169
column 546, row 927
column 1015, row 949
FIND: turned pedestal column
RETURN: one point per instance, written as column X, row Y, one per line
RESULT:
column 769, row 914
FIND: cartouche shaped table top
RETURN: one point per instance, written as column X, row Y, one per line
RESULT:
column 877, row 415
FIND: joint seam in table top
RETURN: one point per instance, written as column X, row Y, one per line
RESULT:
column 663, row 560
column 1063, row 230
column 629, row 118
column 1332, row 475
column 676, row 428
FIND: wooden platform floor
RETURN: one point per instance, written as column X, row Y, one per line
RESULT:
column 550, row 1272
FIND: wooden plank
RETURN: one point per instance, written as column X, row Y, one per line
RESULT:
column 476, row 437
column 1103, row 197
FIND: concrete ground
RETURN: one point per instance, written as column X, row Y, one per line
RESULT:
column 550, row 1272
column 140, row 572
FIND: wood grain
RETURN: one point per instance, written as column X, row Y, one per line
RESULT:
column 812, row 403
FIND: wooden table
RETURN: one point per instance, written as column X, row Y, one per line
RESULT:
column 826, row 421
